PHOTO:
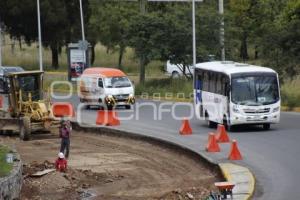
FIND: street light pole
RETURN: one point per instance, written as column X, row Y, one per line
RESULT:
column 40, row 36
column 82, row 24
column 194, row 34
column 0, row 45
column 222, row 31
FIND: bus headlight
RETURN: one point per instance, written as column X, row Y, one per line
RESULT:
column 235, row 109
column 276, row 109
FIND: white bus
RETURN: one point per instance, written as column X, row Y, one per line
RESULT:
column 232, row 93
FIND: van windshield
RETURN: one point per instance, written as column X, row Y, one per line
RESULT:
column 255, row 90
column 117, row 82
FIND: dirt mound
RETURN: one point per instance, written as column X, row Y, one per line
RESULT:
column 112, row 168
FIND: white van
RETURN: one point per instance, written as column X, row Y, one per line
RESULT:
column 106, row 86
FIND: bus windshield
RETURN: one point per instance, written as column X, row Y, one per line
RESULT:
column 117, row 82
column 254, row 90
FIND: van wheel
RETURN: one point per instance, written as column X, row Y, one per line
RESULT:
column 25, row 128
column 266, row 126
column 175, row 74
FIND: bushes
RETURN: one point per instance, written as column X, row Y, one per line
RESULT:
column 289, row 99
column 290, row 94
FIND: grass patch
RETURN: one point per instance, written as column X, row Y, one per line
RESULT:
column 167, row 88
column 5, row 167
column 27, row 57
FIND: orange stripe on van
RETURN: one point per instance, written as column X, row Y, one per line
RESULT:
column 105, row 72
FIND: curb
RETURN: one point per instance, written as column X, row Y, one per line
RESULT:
column 242, row 178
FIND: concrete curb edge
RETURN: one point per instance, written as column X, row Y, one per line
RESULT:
column 242, row 177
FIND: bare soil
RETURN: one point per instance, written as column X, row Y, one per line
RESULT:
column 109, row 167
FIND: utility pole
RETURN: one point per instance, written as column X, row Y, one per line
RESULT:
column 0, row 45
column 82, row 23
column 40, row 36
column 143, row 6
column 194, row 34
column 222, row 31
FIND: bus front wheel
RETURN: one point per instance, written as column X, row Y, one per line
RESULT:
column 266, row 126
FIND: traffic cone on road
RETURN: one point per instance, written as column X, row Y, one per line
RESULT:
column 212, row 145
column 63, row 109
column 107, row 118
column 113, row 118
column 222, row 135
column 234, row 153
column 185, row 128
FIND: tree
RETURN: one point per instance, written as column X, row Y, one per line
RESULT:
column 111, row 22
column 242, row 19
column 148, row 35
column 60, row 22
column 280, row 41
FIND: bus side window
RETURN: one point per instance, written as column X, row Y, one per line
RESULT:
column 199, row 81
column 212, row 82
column 205, row 81
column 226, row 87
column 219, row 84
column 100, row 82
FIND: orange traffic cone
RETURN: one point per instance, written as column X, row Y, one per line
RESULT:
column 234, row 152
column 222, row 135
column 63, row 109
column 212, row 145
column 185, row 128
column 113, row 118
column 107, row 118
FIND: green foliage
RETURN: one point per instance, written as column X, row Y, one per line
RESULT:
column 60, row 22
column 262, row 31
column 5, row 167
column 175, row 87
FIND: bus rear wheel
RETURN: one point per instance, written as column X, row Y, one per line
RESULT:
column 209, row 123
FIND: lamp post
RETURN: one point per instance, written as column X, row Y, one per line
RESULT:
column 222, row 31
column 0, row 45
column 194, row 34
column 82, row 23
column 40, row 36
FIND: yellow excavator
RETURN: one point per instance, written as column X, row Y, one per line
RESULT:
column 28, row 110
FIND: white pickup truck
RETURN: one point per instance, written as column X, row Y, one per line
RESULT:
column 176, row 70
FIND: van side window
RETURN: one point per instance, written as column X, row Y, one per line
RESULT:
column 100, row 82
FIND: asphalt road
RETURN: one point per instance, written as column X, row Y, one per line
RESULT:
column 272, row 155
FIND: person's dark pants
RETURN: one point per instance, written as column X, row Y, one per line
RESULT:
column 65, row 145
